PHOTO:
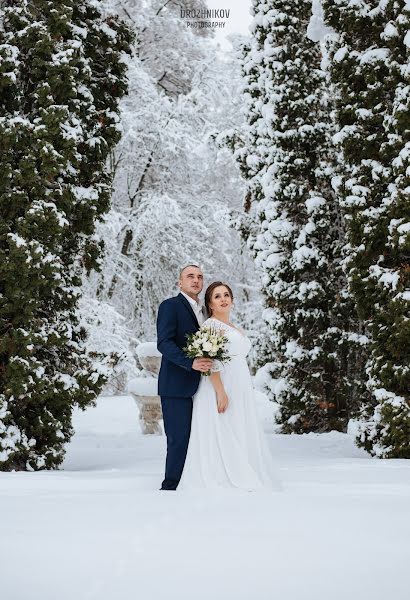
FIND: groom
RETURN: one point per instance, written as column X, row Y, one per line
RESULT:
column 179, row 376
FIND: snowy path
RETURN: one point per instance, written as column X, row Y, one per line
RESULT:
column 100, row 529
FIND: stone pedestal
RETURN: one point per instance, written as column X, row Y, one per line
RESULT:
column 144, row 389
column 150, row 414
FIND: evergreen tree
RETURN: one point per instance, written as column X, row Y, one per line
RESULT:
column 369, row 69
column 61, row 76
column 294, row 225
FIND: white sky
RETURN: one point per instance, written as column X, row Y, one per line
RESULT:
column 239, row 18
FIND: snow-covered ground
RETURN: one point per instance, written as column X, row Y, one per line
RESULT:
column 100, row 528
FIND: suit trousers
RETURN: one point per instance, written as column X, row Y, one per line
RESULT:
column 177, row 414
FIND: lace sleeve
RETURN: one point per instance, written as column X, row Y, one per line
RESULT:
column 216, row 366
column 210, row 322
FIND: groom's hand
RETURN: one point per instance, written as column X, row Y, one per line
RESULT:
column 202, row 364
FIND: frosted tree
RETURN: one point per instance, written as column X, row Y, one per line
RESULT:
column 61, row 76
column 174, row 189
column 370, row 70
column 294, row 226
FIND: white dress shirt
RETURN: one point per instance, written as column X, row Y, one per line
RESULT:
column 196, row 307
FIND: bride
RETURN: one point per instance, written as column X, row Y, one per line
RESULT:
column 226, row 446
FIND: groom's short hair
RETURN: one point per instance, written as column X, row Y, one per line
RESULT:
column 186, row 267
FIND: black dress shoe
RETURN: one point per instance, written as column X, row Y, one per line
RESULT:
column 169, row 485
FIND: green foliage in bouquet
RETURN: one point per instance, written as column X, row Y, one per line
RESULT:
column 61, row 78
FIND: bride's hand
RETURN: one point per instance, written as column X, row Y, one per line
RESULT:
column 222, row 401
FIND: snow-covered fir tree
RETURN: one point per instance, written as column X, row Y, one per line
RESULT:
column 370, row 70
column 61, row 77
column 294, row 225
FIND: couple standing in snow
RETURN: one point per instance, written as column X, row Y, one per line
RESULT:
column 213, row 436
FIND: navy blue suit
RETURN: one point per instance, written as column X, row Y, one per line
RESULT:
column 177, row 382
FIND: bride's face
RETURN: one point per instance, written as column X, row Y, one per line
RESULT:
column 221, row 301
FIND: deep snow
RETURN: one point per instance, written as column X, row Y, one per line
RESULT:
column 100, row 529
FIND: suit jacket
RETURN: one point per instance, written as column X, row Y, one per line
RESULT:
column 175, row 321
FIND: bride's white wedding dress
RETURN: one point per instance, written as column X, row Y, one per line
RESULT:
column 228, row 449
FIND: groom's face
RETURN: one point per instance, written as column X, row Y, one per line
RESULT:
column 191, row 281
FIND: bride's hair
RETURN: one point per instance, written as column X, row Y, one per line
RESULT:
column 209, row 292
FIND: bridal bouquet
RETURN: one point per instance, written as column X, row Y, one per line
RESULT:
column 209, row 343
